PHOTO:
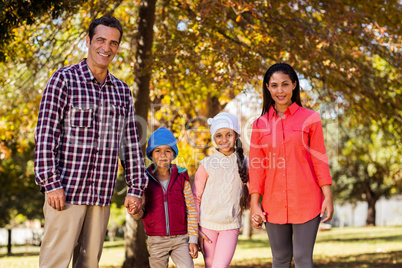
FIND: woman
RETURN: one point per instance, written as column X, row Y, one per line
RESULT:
column 289, row 168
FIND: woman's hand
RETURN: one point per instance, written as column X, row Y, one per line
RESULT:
column 257, row 220
column 257, row 215
column 327, row 204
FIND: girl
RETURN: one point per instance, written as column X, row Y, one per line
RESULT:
column 290, row 169
column 220, row 192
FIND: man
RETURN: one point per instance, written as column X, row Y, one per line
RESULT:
column 86, row 121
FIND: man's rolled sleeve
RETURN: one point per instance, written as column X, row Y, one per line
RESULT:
column 51, row 184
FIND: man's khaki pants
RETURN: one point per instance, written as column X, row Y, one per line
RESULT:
column 78, row 229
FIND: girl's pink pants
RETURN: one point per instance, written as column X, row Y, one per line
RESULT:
column 219, row 253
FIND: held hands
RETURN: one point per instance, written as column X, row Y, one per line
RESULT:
column 133, row 204
column 193, row 250
column 57, row 199
column 257, row 215
column 257, row 220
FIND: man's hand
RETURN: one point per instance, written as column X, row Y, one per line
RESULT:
column 133, row 204
column 57, row 199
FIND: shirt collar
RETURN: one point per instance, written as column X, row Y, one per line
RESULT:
column 88, row 76
column 291, row 109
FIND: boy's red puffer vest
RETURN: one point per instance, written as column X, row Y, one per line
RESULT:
column 165, row 213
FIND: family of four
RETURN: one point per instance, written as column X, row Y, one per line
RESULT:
column 86, row 123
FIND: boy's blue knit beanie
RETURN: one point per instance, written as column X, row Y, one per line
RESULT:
column 162, row 136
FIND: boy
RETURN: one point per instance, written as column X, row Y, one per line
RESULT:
column 168, row 210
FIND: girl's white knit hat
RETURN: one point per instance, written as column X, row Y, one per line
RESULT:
column 223, row 120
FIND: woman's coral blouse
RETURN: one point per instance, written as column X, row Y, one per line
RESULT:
column 288, row 164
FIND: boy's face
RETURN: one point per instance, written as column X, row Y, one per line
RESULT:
column 162, row 156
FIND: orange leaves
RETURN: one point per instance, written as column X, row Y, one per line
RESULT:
column 5, row 152
column 322, row 44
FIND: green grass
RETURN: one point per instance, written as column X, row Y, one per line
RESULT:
column 348, row 247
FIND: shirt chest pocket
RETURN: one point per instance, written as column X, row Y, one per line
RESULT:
column 267, row 140
column 82, row 115
column 301, row 136
column 118, row 110
column 118, row 115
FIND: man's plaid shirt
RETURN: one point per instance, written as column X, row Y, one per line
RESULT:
column 83, row 127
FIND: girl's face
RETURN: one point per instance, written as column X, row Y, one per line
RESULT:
column 281, row 88
column 162, row 156
column 225, row 139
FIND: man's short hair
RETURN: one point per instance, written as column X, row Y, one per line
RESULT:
column 108, row 21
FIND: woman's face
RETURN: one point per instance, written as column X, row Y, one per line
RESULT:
column 281, row 88
column 225, row 139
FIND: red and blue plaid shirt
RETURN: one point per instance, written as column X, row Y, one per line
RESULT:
column 83, row 127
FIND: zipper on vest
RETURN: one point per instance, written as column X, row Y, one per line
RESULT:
column 166, row 210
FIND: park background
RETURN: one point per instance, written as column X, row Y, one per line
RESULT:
column 185, row 61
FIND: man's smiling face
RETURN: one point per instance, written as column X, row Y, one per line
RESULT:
column 103, row 46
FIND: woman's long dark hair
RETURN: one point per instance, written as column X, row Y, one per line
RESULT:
column 267, row 98
column 243, row 172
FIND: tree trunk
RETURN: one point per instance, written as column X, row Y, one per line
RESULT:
column 9, row 242
column 142, row 44
column 135, row 245
column 371, row 213
column 213, row 106
column 247, row 229
column 371, row 198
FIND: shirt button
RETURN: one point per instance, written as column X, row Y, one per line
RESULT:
column 283, row 174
